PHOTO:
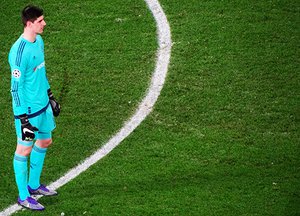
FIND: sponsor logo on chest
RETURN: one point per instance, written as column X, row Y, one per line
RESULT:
column 39, row 66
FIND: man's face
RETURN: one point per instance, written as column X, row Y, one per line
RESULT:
column 38, row 25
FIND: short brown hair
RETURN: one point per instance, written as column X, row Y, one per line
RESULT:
column 31, row 13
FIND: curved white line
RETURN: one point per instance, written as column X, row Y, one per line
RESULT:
column 145, row 107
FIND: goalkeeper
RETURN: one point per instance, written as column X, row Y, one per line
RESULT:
column 33, row 106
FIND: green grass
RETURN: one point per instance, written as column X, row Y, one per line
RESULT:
column 224, row 136
column 99, row 58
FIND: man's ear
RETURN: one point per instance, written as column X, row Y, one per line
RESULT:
column 28, row 24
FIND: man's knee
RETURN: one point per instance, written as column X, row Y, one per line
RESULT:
column 44, row 143
column 23, row 150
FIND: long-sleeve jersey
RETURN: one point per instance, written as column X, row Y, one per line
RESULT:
column 29, row 83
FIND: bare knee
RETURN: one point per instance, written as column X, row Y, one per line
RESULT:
column 23, row 150
column 44, row 143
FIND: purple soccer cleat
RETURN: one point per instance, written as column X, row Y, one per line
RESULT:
column 42, row 190
column 31, row 203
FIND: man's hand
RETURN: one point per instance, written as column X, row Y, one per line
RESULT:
column 26, row 128
column 54, row 104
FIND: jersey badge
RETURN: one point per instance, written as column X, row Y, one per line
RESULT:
column 16, row 73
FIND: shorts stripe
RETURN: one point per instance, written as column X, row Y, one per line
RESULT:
column 25, row 143
column 42, row 135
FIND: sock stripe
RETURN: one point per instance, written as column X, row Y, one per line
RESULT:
column 39, row 149
column 20, row 158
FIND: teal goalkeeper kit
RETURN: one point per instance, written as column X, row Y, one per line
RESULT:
column 29, row 82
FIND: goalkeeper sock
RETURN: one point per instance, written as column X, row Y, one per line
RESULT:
column 21, row 174
column 37, row 158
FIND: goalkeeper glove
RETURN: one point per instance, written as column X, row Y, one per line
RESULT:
column 26, row 128
column 54, row 104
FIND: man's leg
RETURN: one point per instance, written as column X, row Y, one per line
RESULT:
column 37, row 158
column 20, row 167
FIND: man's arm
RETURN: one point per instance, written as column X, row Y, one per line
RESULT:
column 18, row 62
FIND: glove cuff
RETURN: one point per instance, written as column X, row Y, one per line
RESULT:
column 23, row 118
column 50, row 94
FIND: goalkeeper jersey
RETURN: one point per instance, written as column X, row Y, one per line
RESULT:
column 29, row 82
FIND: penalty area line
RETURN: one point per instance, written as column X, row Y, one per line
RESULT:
column 143, row 110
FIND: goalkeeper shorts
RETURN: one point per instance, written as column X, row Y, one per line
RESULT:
column 44, row 122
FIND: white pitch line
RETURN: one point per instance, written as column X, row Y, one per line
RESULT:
column 145, row 107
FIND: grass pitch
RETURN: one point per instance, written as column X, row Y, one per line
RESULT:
column 224, row 136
